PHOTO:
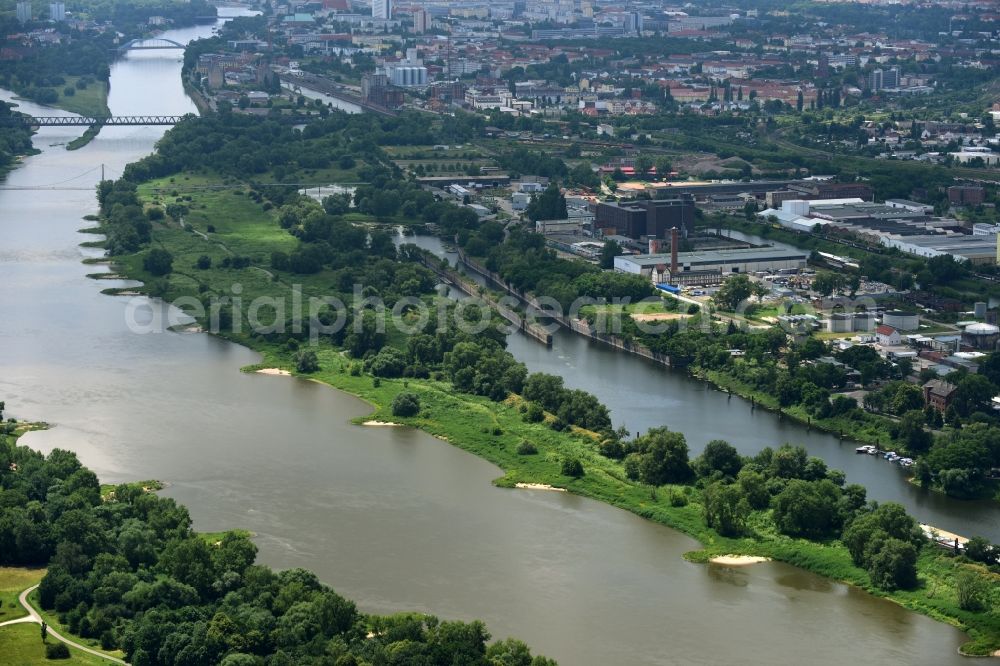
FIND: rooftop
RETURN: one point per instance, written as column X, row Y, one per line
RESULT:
column 721, row 256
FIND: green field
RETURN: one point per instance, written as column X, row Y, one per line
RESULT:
column 92, row 101
column 13, row 581
column 21, row 645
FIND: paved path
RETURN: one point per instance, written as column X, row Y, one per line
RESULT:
column 34, row 617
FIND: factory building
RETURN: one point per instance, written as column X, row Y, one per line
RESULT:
column 661, row 268
column 646, row 217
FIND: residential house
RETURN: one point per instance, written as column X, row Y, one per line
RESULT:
column 938, row 394
column 887, row 336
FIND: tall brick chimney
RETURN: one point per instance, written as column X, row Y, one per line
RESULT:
column 674, row 242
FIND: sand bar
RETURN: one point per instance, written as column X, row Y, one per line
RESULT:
column 738, row 560
column 539, row 486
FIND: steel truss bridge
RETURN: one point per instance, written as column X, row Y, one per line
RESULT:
column 87, row 121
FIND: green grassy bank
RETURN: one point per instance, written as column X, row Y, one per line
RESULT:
column 89, row 101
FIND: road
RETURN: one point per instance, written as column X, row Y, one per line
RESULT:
column 34, row 617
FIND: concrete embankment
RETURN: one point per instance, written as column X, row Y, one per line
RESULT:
column 576, row 325
column 531, row 329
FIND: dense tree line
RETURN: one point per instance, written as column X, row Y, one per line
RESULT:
column 133, row 15
column 127, row 227
column 804, row 498
column 15, row 140
column 127, row 569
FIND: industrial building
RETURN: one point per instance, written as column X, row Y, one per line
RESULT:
column 901, row 320
column 966, row 195
column 818, row 190
column 851, row 322
column 646, row 217
column 898, row 224
column 705, row 264
column 566, row 226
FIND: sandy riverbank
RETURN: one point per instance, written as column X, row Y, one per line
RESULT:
column 382, row 423
column 658, row 316
column 539, row 486
column 738, row 560
column 273, row 371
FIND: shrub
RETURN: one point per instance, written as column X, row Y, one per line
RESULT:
column 572, row 467
column 406, row 404
column 388, row 362
column 979, row 549
column 204, row 262
column 526, row 448
column 56, row 650
column 534, row 414
column 158, row 262
column 306, row 361
column 612, row 448
column 677, row 498
column 973, row 592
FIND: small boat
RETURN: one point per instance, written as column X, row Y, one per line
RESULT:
column 867, row 448
column 890, row 455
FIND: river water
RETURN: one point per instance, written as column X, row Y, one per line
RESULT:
column 390, row 517
column 643, row 395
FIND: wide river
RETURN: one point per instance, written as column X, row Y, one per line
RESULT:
column 393, row 518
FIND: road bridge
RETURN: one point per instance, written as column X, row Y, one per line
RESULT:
column 149, row 44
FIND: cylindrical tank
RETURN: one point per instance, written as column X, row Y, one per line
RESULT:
column 981, row 336
column 979, row 309
column 902, row 320
column 864, row 322
column 840, row 322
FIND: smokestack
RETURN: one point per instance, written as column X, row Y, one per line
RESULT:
column 674, row 242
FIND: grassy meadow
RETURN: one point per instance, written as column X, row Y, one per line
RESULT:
column 21, row 645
